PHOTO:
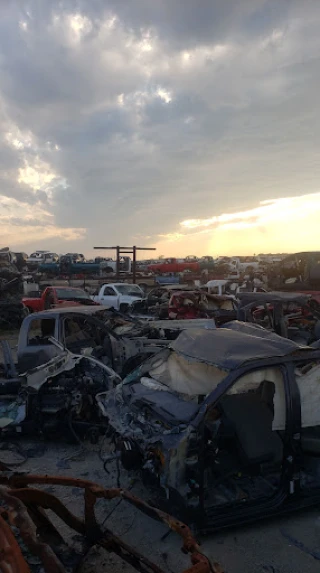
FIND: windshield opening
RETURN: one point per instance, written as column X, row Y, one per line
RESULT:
column 68, row 294
column 132, row 290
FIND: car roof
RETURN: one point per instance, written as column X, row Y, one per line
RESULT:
column 66, row 287
column 179, row 287
column 120, row 284
column 261, row 297
column 231, row 347
column 217, row 282
column 82, row 309
column 188, row 292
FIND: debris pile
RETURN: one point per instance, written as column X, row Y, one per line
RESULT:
column 209, row 394
column 55, row 399
column 12, row 310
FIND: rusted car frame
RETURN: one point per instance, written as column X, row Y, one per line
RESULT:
column 23, row 506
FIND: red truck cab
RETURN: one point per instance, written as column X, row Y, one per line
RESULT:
column 57, row 297
column 174, row 266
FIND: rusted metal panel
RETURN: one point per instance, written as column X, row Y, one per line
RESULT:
column 11, row 558
column 19, row 517
column 22, row 502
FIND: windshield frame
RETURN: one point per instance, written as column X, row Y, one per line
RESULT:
column 126, row 289
column 74, row 293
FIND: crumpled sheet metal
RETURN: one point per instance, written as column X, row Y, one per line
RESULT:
column 23, row 507
column 39, row 375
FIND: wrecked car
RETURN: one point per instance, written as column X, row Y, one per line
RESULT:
column 118, row 295
column 8, row 267
column 12, row 310
column 223, row 426
column 185, row 304
column 53, row 399
column 156, row 302
column 291, row 315
column 114, row 339
column 84, row 331
column 296, row 272
column 133, row 326
column 53, row 297
column 197, row 304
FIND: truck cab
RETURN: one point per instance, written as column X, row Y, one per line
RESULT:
column 119, row 295
column 83, row 331
column 57, row 297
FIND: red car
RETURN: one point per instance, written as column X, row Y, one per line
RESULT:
column 53, row 297
column 174, row 266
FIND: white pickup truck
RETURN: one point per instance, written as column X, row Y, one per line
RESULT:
column 119, row 295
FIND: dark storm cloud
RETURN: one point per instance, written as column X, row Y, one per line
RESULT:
column 185, row 22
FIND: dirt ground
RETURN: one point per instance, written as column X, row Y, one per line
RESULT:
column 287, row 545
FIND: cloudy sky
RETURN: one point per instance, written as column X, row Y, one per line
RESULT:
column 192, row 126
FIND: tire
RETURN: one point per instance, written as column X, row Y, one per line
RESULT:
column 123, row 307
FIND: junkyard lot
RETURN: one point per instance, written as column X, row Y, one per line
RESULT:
column 276, row 546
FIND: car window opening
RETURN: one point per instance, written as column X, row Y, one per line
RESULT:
column 243, row 452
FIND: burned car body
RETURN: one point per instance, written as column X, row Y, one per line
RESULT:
column 88, row 331
column 291, row 315
column 199, row 304
column 185, row 303
column 224, row 425
column 113, row 338
column 55, row 398
column 156, row 302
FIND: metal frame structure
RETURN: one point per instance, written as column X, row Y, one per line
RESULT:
column 22, row 506
column 127, row 250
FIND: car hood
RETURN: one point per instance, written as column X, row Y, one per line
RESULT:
column 65, row 361
column 234, row 345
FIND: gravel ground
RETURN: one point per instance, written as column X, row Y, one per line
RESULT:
column 282, row 545
column 277, row 546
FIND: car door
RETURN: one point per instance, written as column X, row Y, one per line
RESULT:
column 81, row 335
column 34, row 346
column 307, row 378
column 110, row 297
column 242, row 447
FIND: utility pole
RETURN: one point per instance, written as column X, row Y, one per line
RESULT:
column 127, row 250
